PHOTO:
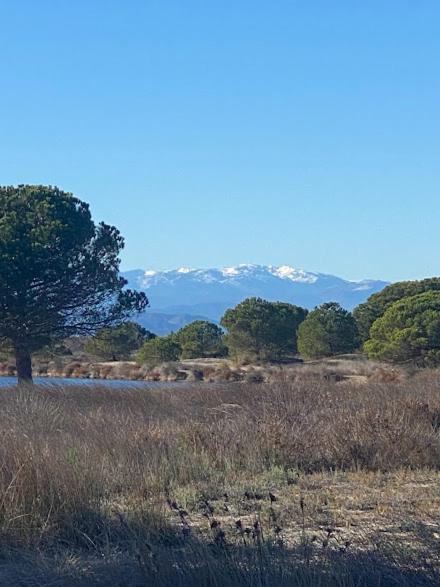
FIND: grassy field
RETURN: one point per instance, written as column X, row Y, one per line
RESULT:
column 301, row 481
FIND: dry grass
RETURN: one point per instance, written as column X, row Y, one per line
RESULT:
column 348, row 367
column 173, row 486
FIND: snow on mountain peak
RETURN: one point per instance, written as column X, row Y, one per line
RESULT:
column 229, row 271
column 288, row 272
column 238, row 275
column 241, row 271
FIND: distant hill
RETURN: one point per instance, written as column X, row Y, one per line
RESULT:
column 180, row 296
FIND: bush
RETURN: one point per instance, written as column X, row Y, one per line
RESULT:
column 201, row 339
column 328, row 330
column 262, row 330
column 409, row 330
column 159, row 350
column 377, row 304
column 118, row 342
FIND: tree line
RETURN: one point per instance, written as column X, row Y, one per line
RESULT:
column 258, row 330
column 399, row 324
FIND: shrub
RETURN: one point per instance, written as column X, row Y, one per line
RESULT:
column 328, row 330
column 118, row 342
column 377, row 304
column 201, row 339
column 262, row 330
column 409, row 330
column 159, row 350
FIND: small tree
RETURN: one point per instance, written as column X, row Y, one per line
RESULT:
column 159, row 350
column 409, row 330
column 59, row 272
column 262, row 330
column 377, row 304
column 118, row 342
column 328, row 330
column 201, row 339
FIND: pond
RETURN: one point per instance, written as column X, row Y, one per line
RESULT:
column 72, row 381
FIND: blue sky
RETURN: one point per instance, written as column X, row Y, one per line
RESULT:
column 219, row 132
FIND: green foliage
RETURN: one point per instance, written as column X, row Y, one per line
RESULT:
column 59, row 272
column 376, row 305
column 201, row 339
column 328, row 330
column 159, row 350
column 262, row 330
column 118, row 342
column 409, row 330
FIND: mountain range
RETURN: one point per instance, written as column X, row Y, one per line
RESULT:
column 179, row 296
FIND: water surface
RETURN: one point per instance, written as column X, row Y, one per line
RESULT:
column 72, row 381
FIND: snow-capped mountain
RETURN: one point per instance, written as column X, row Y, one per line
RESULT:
column 184, row 294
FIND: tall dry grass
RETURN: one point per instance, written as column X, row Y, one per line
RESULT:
column 84, row 474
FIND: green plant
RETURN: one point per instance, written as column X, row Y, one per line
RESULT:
column 328, row 330
column 59, row 271
column 409, row 330
column 262, row 330
column 118, row 342
column 376, row 305
column 201, row 339
column 159, row 349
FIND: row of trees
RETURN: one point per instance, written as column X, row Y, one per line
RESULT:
column 399, row 324
column 259, row 330
column 196, row 340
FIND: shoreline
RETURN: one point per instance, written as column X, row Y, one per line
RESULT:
column 208, row 371
column 336, row 369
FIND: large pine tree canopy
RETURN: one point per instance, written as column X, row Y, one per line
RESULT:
column 59, row 271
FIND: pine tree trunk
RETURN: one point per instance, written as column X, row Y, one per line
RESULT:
column 23, row 363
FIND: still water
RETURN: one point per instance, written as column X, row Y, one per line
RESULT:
column 65, row 381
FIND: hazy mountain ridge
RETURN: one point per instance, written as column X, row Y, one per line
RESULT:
column 187, row 294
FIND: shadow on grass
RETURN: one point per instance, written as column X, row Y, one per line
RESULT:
column 145, row 550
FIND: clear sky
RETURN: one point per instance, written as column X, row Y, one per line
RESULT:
column 217, row 132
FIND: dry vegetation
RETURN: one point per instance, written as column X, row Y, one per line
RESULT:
column 301, row 481
column 355, row 367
